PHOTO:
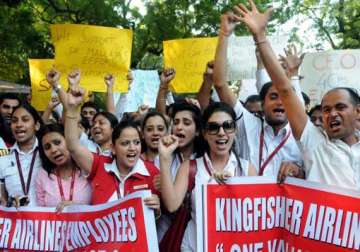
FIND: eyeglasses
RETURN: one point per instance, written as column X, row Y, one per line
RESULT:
column 212, row 128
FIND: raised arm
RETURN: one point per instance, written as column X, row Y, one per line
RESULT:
column 53, row 78
column 81, row 155
column 204, row 94
column 172, row 193
column 257, row 22
column 54, row 101
column 109, row 81
column 291, row 62
column 227, row 26
column 165, row 78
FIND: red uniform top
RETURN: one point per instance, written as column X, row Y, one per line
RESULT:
column 107, row 184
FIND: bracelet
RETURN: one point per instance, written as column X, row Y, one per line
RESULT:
column 260, row 42
column 224, row 33
column 71, row 117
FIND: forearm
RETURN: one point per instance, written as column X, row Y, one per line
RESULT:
column 272, row 65
column 161, row 100
column 81, row 155
column 172, row 198
column 110, row 106
column 204, row 94
column 46, row 115
column 71, row 117
column 220, row 81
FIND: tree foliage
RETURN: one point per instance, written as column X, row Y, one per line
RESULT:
column 337, row 22
column 25, row 24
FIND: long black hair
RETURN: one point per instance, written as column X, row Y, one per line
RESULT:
column 221, row 107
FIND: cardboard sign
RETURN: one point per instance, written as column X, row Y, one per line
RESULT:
column 189, row 58
column 96, row 51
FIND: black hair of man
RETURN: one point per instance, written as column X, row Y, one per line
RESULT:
column 9, row 96
column 315, row 108
column 264, row 90
column 253, row 98
column 89, row 104
column 353, row 93
column 306, row 98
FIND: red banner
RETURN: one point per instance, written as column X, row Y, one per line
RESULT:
column 124, row 225
column 256, row 214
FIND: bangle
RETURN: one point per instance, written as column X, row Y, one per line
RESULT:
column 224, row 33
column 260, row 42
column 71, row 117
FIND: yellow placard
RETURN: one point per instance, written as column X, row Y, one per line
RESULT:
column 40, row 88
column 189, row 58
column 96, row 51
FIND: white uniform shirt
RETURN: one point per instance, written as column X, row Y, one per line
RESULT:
column 248, row 142
column 10, row 174
column 328, row 161
column 203, row 177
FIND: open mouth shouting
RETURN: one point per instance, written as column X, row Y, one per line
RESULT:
column 20, row 133
column 155, row 140
column 181, row 138
column 97, row 133
column 279, row 111
column 221, row 144
column 131, row 157
column 335, row 125
column 59, row 158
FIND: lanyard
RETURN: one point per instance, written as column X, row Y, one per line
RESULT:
column 72, row 185
column 25, row 189
column 272, row 154
column 117, row 184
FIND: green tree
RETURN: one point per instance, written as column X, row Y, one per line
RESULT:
column 337, row 22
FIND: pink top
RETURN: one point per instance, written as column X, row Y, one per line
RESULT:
column 48, row 192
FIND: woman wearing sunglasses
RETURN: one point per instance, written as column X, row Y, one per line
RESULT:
column 219, row 162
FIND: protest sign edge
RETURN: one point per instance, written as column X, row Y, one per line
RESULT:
column 322, row 187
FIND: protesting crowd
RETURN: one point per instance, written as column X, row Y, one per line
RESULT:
column 73, row 153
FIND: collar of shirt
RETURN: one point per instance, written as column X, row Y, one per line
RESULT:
column 340, row 142
column 139, row 168
column 268, row 130
column 230, row 166
column 17, row 148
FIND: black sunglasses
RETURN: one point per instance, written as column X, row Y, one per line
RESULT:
column 212, row 128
